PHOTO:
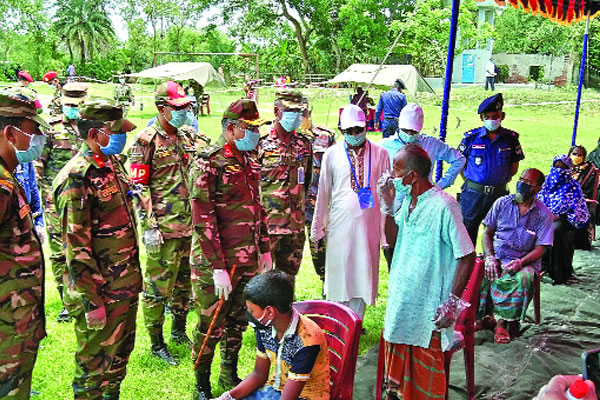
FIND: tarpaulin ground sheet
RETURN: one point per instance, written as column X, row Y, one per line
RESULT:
column 570, row 325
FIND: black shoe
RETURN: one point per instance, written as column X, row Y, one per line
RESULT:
column 63, row 316
column 203, row 390
column 178, row 334
column 159, row 349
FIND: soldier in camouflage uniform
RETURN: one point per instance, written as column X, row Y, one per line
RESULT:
column 286, row 160
column 61, row 146
column 22, row 322
column 160, row 157
column 55, row 106
column 322, row 139
column 229, row 229
column 124, row 95
column 103, row 276
column 24, row 79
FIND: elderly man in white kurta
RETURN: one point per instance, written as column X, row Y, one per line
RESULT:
column 347, row 213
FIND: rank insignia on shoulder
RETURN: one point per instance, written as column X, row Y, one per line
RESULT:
column 24, row 210
column 7, row 184
column 232, row 168
column 140, row 173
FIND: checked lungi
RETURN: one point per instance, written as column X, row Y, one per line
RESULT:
column 510, row 295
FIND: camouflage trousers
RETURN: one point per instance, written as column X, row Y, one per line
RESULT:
column 58, row 260
column 18, row 353
column 287, row 252
column 318, row 256
column 231, row 322
column 101, row 356
column 167, row 277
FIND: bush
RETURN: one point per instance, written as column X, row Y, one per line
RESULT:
column 502, row 73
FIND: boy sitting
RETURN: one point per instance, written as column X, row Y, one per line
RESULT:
column 293, row 344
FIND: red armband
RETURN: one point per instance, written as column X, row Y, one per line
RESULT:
column 140, row 173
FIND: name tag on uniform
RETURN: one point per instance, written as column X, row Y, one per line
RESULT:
column 108, row 191
column 479, row 146
column 24, row 210
column 501, row 149
column 301, row 176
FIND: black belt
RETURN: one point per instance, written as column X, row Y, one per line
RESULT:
column 390, row 118
column 486, row 189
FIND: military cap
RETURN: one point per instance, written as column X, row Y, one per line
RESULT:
column 290, row 98
column 74, row 93
column 490, row 104
column 25, row 75
column 171, row 93
column 108, row 113
column 19, row 106
column 48, row 76
column 244, row 110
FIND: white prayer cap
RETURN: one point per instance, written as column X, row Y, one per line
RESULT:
column 352, row 116
column 411, row 117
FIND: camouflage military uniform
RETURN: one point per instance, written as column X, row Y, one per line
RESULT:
column 55, row 106
column 94, row 201
column 61, row 146
column 124, row 97
column 159, row 167
column 21, row 290
column 286, row 174
column 322, row 139
column 229, row 229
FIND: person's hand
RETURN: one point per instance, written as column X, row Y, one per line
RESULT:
column 41, row 232
column 96, row 319
column 558, row 386
column 153, row 240
column 447, row 313
column 265, row 263
column 513, row 267
column 386, row 192
column 491, row 268
column 376, row 125
column 222, row 283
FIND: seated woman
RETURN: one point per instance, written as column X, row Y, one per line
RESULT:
column 584, row 172
column 564, row 198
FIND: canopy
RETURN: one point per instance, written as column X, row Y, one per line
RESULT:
column 564, row 12
column 201, row 72
column 363, row 73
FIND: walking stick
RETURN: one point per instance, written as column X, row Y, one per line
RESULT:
column 212, row 323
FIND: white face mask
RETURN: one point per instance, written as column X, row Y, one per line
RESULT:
column 492, row 124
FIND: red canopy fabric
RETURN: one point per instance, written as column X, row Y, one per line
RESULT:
column 564, row 12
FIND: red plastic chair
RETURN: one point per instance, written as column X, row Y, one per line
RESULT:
column 536, row 298
column 342, row 327
column 204, row 101
column 464, row 324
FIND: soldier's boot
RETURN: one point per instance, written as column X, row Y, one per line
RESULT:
column 178, row 334
column 203, row 390
column 159, row 348
column 63, row 316
column 228, row 377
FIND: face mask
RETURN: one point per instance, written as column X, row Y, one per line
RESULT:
column 70, row 112
column 492, row 124
column 36, row 146
column 576, row 159
column 523, row 192
column 355, row 140
column 248, row 142
column 257, row 323
column 405, row 137
column 121, row 80
column 189, row 118
column 401, row 187
column 52, row 85
column 290, row 120
column 178, row 118
column 116, row 144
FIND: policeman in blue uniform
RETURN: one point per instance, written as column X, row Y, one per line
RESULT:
column 493, row 154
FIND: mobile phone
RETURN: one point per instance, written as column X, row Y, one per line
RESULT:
column 591, row 367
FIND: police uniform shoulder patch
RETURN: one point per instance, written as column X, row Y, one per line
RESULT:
column 510, row 132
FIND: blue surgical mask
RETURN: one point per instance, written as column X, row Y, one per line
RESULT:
column 290, row 120
column 53, row 86
column 492, row 124
column 405, row 137
column 178, row 118
column 70, row 112
column 355, row 140
column 36, row 146
column 116, row 144
column 401, row 187
column 248, row 142
column 189, row 118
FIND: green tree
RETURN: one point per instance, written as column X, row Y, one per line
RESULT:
column 85, row 27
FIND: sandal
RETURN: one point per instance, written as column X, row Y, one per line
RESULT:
column 501, row 335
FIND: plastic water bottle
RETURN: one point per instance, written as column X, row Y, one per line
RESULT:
column 577, row 391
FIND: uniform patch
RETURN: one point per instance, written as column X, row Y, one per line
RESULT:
column 232, row 168
column 227, row 150
column 24, row 210
column 108, row 191
column 478, row 160
column 7, row 184
column 163, row 153
column 140, row 173
column 478, row 146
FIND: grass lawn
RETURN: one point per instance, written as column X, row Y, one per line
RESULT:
column 545, row 131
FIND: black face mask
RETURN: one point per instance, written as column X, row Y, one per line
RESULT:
column 253, row 322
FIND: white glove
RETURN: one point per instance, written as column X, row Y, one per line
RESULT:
column 513, row 267
column 224, row 396
column 41, row 232
column 447, row 313
column 386, row 192
column 96, row 319
column 222, row 283
column 153, row 239
column 491, row 268
column 265, row 263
